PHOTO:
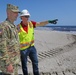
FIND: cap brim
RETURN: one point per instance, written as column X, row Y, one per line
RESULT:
column 16, row 11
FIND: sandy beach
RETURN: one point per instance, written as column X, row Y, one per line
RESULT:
column 56, row 53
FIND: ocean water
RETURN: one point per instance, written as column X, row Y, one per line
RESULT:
column 69, row 29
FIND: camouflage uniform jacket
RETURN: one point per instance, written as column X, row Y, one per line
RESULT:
column 9, row 45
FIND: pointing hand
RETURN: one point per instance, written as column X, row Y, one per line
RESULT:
column 53, row 21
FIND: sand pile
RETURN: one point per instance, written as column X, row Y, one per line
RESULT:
column 56, row 52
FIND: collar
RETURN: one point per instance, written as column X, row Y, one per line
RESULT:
column 11, row 24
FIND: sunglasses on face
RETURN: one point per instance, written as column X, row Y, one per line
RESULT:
column 26, row 16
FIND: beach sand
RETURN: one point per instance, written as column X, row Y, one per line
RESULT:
column 56, row 53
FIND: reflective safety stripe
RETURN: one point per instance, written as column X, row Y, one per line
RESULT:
column 23, row 45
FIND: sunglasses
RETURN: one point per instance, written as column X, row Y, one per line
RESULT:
column 26, row 16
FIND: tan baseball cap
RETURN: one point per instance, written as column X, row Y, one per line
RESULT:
column 13, row 8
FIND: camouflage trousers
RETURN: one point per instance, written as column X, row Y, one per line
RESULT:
column 15, row 72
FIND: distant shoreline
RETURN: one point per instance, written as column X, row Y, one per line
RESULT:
column 58, row 28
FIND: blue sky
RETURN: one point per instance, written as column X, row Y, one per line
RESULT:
column 40, row 10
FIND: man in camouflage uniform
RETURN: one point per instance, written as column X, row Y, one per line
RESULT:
column 9, row 43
